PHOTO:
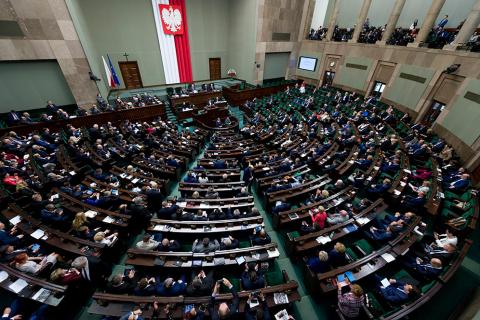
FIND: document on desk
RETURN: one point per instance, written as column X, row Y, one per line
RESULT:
column 91, row 213
column 362, row 221
column 41, row 295
column 37, row 234
column 397, row 192
column 323, row 239
column 388, row 257
column 3, row 275
column 18, row 285
column 108, row 219
column 15, row 220
column 385, row 283
column 280, row 298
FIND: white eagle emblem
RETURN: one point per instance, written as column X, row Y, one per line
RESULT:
column 172, row 19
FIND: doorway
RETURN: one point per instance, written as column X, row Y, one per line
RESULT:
column 131, row 74
column 215, row 65
column 328, row 78
column 378, row 89
column 433, row 113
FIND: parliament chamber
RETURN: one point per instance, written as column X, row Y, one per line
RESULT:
column 239, row 159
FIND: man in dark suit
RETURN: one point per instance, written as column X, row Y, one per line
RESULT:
column 9, row 237
column 261, row 238
column 251, row 278
column 398, row 291
column 248, row 176
column 13, row 118
column 429, row 269
column 121, row 284
column 51, row 107
column 224, row 311
column 168, row 245
column 336, row 256
column 459, row 185
column 92, row 269
column 171, row 288
column 414, row 203
column 379, row 189
column 201, row 284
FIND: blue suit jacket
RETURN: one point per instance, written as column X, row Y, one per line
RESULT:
column 393, row 293
column 175, row 290
column 6, row 238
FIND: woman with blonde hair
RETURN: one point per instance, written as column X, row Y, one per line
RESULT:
column 79, row 221
column 101, row 237
column 350, row 303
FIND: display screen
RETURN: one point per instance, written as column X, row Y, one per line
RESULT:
column 307, row 63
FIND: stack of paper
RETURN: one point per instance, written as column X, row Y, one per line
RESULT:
column 323, row 239
column 91, row 213
column 37, row 234
column 108, row 219
column 280, row 298
column 15, row 220
column 362, row 221
column 388, row 257
column 18, row 285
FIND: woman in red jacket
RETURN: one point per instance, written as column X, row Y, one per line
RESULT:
column 319, row 216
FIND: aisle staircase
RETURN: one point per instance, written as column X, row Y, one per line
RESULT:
column 237, row 113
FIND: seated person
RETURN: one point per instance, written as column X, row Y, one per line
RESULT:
column 379, row 189
column 148, row 242
column 397, row 292
column 145, row 287
column 281, row 206
column 201, row 284
column 211, row 193
column 171, row 288
column 9, row 237
column 251, row 278
column 319, row 264
column 432, row 268
column 260, row 237
column 444, row 253
column 51, row 214
column 337, row 256
column 261, row 312
column 224, row 311
column 168, row 245
column 205, row 246
column 414, row 203
column 337, row 218
column 351, row 303
column 458, row 185
column 362, row 205
column 228, row 243
column 424, row 187
column 388, row 219
column 121, row 284
column 447, row 237
column 28, row 264
column 65, row 276
column 190, row 178
column 382, row 233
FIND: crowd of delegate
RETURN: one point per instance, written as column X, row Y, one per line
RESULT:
column 76, row 181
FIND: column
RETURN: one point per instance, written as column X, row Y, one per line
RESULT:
column 361, row 20
column 392, row 21
column 428, row 22
column 468, row 28
column 333, row 20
